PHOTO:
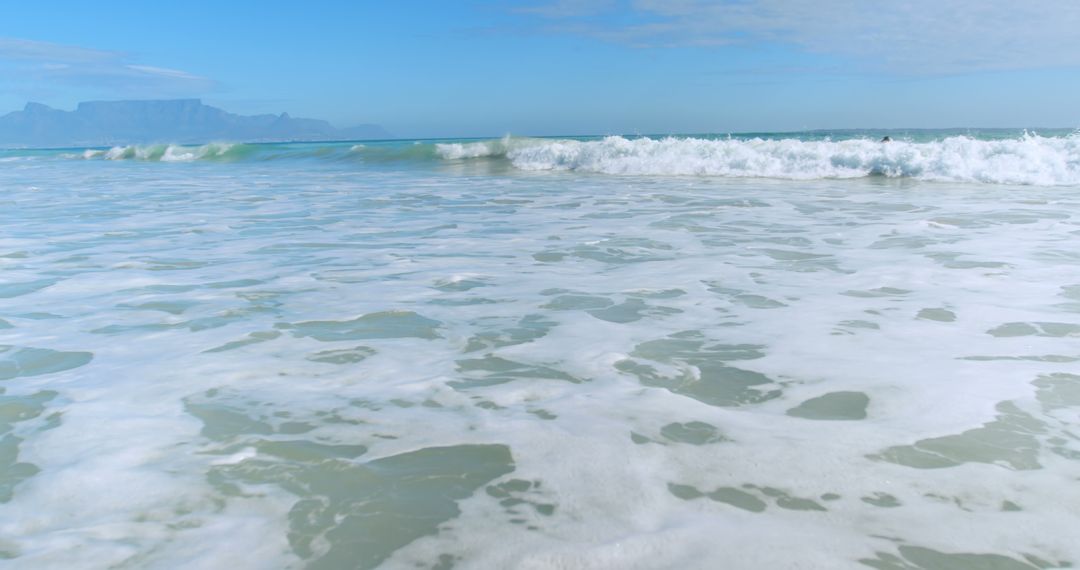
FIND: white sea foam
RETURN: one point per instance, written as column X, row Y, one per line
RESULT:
column 1030, row 160
column 638, row 345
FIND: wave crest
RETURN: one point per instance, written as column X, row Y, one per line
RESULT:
column 487, row 149
column 1029, row 159
column 168, row 152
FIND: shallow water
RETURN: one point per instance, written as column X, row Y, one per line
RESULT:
column 313, row 365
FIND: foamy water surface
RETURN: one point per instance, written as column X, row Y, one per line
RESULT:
column 433, row 362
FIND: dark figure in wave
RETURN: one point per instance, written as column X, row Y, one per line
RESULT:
column 886, row 138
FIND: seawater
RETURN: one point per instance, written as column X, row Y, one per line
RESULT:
column 626, row 352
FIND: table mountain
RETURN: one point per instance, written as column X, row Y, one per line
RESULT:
column 105, row 123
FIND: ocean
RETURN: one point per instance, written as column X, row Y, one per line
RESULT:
column 810, row 350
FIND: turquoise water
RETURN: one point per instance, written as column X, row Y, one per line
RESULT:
column 755, row 352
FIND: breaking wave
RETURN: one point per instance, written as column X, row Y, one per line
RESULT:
column 492, row 148
column 1029, row 159
column 1026, row 159
column 171, row 153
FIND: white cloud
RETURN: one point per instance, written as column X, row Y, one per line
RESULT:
column 29, row 50
column 910, row 36
column 45, row 66
column 164, row 72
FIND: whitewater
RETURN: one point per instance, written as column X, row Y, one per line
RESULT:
column 812, row 350
column 992, row 157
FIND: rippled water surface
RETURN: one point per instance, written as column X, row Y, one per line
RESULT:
column 299, row 365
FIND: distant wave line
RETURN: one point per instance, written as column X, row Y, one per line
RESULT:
column 1026, row 158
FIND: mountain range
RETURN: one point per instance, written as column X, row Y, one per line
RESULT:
column 182, row 121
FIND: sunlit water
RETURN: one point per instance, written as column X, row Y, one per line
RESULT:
column 302, row 364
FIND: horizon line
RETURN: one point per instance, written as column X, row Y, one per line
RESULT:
column 568, row 136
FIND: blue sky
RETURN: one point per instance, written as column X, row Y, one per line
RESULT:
column 483, row 68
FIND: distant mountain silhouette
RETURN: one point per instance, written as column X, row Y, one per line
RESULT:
column 104, row 123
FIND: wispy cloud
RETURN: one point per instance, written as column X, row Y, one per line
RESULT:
column 44, row 67
column 164, row 72
column 29, row 50
column 913, row 36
